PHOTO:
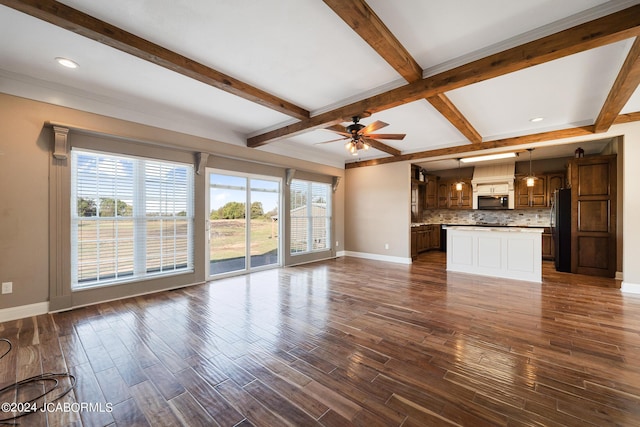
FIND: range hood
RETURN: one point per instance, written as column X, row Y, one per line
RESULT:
column 494, row 180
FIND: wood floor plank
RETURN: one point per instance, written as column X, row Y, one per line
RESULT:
column 87, row 390
column 346, row 342
column 166, row 383
column 246, row 404
column 153, row 405
column 210, row 400
column 189, row 412
column 128, row 414
column 113, row 387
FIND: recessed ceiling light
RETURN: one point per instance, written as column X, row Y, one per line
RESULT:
column 536, row 119
column 66, row 62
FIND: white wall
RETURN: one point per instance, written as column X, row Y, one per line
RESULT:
column 631, row 207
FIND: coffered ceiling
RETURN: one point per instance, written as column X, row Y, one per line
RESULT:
column 454, row 76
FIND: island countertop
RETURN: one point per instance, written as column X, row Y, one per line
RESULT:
column 495, row 228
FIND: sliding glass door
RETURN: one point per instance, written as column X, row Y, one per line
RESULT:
column 243, row 226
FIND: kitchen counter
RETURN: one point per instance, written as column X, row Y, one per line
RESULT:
column 504, row 228
column 509, row 252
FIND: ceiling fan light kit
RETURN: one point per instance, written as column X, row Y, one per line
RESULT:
column 360, row 137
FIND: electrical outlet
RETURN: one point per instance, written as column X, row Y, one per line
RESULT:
column 386, row 246
column 337, row 243
column 7, row 287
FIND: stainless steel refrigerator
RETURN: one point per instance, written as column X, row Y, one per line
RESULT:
column 561, row 228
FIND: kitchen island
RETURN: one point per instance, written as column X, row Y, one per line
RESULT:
column 509, row 252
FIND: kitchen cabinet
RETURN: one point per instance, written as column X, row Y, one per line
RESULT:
column 431, row 192
column 434, row 237
column 541, row 194
column 555, row 181
column 531, row 197
column 493, row 189
column 449, row 197
column 548, row 247
column 424, row 192
column 424, row 238
column 416, row 202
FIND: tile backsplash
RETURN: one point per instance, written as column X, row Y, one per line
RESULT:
column 514, row 217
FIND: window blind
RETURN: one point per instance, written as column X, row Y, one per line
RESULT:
column 310, row 216
column 131, row 218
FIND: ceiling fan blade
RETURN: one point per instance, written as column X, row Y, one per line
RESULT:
column 333, row 140
column 340, row 130
column 393, row 136
column 374, row 143
column 372, row 127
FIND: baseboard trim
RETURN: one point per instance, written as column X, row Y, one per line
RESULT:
column 619, row 275
column 377, row 257
column 630, row 288
column 22, row 311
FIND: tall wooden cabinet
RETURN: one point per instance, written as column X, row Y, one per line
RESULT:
column 593, row 211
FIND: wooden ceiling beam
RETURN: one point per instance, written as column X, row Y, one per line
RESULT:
column 444, row 105
column 472, row 148
column 627, row 118
column 599, row 32
column 625, row 85
column 364, row 21
column 85, row 25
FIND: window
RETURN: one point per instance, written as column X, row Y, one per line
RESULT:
column 310, row 216
column 131, row 218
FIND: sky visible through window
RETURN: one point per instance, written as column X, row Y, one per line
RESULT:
column 224, row 189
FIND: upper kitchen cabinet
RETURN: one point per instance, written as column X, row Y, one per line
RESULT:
column 431, row 192
column 541, row 194
column 450, row 197
column 555, row 181
column 424, row 192
column 531, row 197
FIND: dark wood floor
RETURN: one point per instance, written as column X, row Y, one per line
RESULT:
column 346, row 342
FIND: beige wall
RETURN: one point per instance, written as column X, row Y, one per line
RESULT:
column 25, row 165
column 377, row 211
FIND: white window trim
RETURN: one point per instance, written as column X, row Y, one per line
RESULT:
column 140, row 272
column 328, row 218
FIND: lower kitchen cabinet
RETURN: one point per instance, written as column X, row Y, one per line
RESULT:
column 548, row 247
column 424, row 238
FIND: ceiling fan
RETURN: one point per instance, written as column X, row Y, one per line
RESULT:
column 360, row 137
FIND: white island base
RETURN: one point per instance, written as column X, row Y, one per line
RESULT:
column 509, row 252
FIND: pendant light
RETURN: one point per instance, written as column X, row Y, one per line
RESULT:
column 531, row 178
column 459, row 183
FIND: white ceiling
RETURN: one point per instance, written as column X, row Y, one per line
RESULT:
column 301, row 51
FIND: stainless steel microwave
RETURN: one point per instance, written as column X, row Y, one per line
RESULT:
column 493, row 202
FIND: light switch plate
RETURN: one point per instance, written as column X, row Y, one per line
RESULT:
column 7, row 287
